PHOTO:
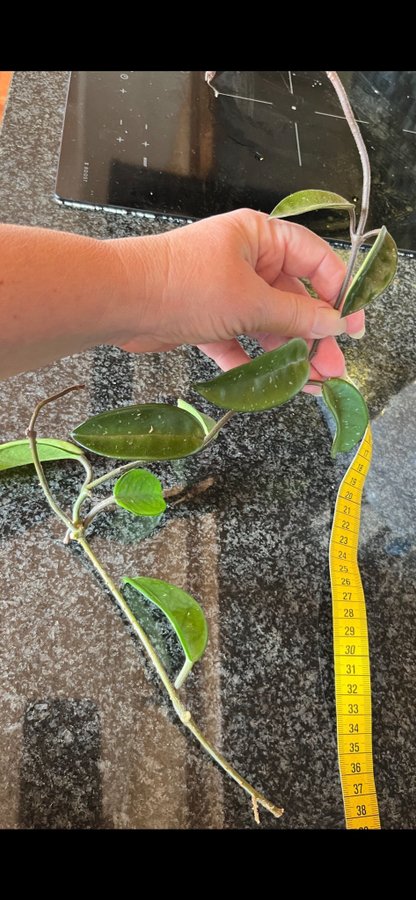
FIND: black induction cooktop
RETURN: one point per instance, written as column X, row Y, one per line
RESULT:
column 172, row 144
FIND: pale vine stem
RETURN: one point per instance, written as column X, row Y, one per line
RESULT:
column 358, row 235
column 220, row 424
column 107, row 503
column 114, row 473
column 75, row 531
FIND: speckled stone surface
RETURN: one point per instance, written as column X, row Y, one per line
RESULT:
column 87, row 737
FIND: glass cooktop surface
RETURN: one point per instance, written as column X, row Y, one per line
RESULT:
column 173, row 144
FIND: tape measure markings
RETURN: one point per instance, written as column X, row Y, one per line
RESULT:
column 351, row 651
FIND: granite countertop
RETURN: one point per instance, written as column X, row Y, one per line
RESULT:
column 87, row 736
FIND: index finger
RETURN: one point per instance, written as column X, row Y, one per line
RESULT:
column 298, row 252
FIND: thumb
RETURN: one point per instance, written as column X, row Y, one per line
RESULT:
column 289, row 313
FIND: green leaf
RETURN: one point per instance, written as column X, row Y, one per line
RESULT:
column 207, row 423
column 375, row 274
column 184, row 613
column 140, row 492
column 306, row 201
column 269, row 380
column 350, row 411
column 18, row 453
column 148, row 431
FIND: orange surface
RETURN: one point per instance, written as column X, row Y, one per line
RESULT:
column 5, row 79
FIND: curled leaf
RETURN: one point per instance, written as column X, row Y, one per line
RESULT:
column 374, row 276
column 267, row 381
column 184, row 613
column 306, row 201
column 18, row 453
column 140, row 492
column 349, row 410
column 206, row 421
column 147, row 431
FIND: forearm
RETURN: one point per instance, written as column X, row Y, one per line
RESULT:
column 60, row 294
column 202, row 284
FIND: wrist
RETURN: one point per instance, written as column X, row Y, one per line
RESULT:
column 139, row 267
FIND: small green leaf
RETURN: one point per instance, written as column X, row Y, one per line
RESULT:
column 375, row 274
column 207, row 423
column 306, row 201
column 350, row 411
column 184, row 613
column 267, row 381
column 18, row 453
column 148, row 431
column 140, row 492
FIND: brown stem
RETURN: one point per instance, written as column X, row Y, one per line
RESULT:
column 31, row 433
column 42, row 403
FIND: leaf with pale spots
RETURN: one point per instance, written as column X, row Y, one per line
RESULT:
column 148, row 431
column 349, row 410
column 374, row 276
column 267, row 381
column 306, row 201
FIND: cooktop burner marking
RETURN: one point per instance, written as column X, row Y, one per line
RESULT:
column 209, row 76
column 333, row 116
column 291, row 91
column 238, row 96
column 298, row 143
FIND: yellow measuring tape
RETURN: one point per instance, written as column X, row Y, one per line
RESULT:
column 351, row 652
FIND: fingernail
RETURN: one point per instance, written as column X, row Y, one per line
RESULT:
column 327, row 322
column 357, row 335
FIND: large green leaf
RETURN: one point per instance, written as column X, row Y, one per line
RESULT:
column 374, row 276
column 184, row 613
column 206, row 421
column 306, row 201
column 18, row 453
column 147, row 431
column 349, row 410
column 269, row 380
column 140, row 492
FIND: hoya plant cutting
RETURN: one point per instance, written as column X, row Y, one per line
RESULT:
column 141, row 434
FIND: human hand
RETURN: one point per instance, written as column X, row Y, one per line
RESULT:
column 234, row 274
column 202, row 284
